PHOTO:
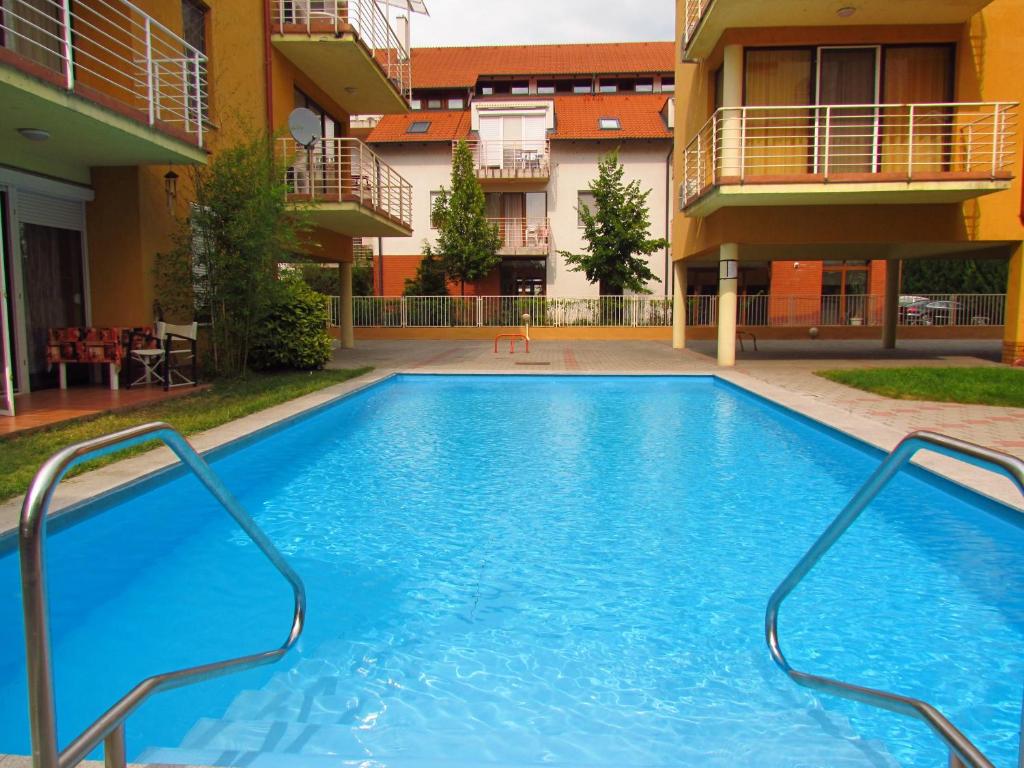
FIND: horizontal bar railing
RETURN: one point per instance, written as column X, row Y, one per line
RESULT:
column 363, row 17
column 344, row 169
column 496, row 158
column 109, row 728
column 962, row 751
column 530, row 232
column 909, row 142
column 114, row 49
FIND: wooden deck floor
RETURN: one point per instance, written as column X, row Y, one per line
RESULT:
column 51, row 406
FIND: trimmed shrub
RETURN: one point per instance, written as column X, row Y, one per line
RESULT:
column 293, row 332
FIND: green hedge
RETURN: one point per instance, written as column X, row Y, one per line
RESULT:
column 293, row 333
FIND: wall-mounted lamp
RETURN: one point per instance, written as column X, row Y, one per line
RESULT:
column 728, row 269
column 796, row 265
column 171, row 188
column 846, row 12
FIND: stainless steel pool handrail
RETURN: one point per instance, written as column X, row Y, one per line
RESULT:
column 962, row 750
column 31, row 540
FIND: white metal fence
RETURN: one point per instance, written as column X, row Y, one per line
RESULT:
column 364, row 17
column 339, row 169
column 656, row 311
column 113, row 48
column 905, row 142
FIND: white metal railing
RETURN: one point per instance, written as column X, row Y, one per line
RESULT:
column 654, row 311
column 531, row 232
column 112, row 48
column 501, row 311
column 524, row 159
column 333, row 311
column 906, row 142
column 851, row 309
column 693, row 12
column 344, row 169
column 364, row 17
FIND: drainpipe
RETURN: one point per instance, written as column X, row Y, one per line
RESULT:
column 669, row 197
column 267, row 71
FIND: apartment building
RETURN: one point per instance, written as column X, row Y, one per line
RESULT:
column 105, row 105
column 537, row 119
column 822, row 139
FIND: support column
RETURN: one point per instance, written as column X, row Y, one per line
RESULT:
column 1013, row 329
column 348, row 337
column 728, row 259
column 679, row 305
column 891, row 307
column 730, row 134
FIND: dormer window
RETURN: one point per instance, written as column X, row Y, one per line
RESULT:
column 609, row 124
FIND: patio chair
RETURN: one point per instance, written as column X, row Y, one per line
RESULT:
column 151, row 360
column 180, row 359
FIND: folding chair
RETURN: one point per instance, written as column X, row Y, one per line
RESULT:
column 180, row 361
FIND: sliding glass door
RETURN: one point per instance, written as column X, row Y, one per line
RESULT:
column 848, row 132
column 6, row 319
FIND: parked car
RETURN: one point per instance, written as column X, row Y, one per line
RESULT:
column 914, row 312
column 944, row 313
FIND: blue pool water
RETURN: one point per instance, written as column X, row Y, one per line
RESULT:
column 536, row 570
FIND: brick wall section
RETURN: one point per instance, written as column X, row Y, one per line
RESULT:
column 795, row 278
column 876, row 278
column 399, row 268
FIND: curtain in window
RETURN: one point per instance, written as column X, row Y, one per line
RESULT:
column 778, row 141
column 918, row 74
column 847, row 77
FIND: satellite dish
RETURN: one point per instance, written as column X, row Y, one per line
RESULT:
column 305, row 126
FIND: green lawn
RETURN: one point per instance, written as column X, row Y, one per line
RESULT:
column 985, row 386
column 20, row 457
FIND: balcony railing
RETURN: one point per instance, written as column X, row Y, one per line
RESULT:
column 693, row 11
column 523, row 159
column 532, row 234
column 363, row 17
column 344, row 170
column 874, row 142
column 110, row 50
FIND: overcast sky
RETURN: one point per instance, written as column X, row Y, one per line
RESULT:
column 490, row 22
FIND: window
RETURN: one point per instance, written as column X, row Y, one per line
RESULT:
column 193, row 24
column 584, row 199
column 434, row 194
column 486, row 90
column 609, row 124
column 607, row 86
column 545, row 87
column 420, row 126
column 645, row 85
column 456, row 103
column 668, row 84
column 521, row 88
column 582, row 86
column 416, row 104
column 433, row 103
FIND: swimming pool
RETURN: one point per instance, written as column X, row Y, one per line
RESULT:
column 535, row 569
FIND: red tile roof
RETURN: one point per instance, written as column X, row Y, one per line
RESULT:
column 461, row 67
column 576, row 117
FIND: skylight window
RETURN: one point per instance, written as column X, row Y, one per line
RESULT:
column 420, row 126
column 609, row 124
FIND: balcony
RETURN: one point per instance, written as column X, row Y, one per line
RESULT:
column 704, row 21
column 346, row 188
column 524, row 237
column 110, row 84
column 856, row 155
column 348, row 48
column 518, row 161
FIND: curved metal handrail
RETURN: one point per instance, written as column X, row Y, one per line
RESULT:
column 31, row 540
column 1000, row 463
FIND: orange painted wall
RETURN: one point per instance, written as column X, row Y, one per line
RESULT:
column 398, row 269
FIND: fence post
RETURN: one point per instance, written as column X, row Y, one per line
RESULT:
column 403, row 311
column 480, row 311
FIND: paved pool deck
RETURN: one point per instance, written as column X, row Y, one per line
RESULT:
column 780, row 371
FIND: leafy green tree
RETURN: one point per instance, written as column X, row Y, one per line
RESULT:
column 239, row 228
column 430, row 278
column 467, row 243
column 954, row 276
column 617, row 233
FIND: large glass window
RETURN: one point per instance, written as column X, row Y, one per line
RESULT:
column 780, row 141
